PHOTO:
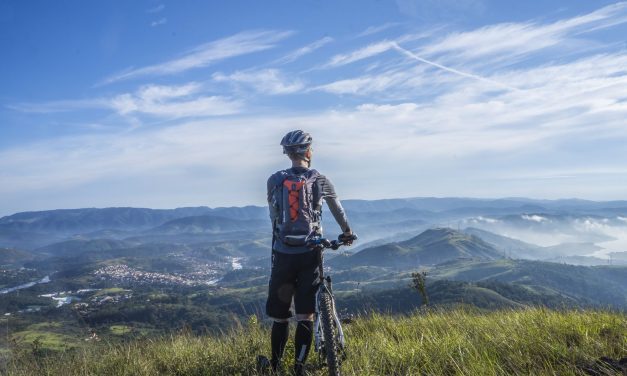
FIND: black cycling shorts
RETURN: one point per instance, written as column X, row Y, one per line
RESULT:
column 292, row 276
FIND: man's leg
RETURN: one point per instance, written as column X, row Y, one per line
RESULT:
column 305, row 304
column 280, row 292
column 278, row 340
column 302, row 340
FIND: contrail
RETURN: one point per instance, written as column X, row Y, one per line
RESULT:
column 460, row 73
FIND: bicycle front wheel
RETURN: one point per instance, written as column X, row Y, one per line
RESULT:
column 328, row 329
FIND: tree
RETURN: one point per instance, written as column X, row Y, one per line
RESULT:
column 419, row 283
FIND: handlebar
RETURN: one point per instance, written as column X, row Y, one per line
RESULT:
column 323, row 243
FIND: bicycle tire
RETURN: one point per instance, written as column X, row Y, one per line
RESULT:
column 328, row 324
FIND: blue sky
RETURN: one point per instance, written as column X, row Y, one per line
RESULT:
column 169, row 104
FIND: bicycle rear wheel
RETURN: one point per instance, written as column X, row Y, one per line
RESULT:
column 329, row 329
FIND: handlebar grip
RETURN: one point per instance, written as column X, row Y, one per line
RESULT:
column 343, row 238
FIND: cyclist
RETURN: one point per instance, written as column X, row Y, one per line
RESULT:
column 295, row 200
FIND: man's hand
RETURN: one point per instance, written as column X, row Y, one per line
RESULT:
column 347, row 237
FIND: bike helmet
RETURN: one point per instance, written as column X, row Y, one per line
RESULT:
column 296, row 142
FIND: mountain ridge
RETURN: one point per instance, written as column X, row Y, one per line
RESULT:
column 430, row 247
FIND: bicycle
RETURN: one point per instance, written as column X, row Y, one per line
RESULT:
column 329, row 340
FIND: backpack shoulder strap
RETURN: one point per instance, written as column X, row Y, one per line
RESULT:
column 312, row 174
column 279, row 176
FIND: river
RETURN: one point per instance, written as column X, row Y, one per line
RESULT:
column 45, row 279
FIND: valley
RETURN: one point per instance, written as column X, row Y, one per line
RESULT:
column 72, row 277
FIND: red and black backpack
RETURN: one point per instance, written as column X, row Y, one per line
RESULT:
column 297, row 202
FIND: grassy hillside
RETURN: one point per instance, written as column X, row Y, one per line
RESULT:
column 430, row 247
column 10, row 256
column 604, row 285
column 456, row 342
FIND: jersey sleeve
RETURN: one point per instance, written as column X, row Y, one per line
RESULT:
column 327, row 191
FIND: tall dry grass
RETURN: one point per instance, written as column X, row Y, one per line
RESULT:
column 454, row 342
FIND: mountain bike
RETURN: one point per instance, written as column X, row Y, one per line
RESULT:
column 329, row 340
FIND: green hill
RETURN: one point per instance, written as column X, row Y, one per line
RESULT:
column 431, row 247
column 597, row 285
column 9, row 256
column 77, row 247
column 208, row 224
column 453, row 342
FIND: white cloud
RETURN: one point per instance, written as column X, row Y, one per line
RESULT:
column 432, row 146
column 156, row 9
column 267, row 81
column 507, row 42
column 534, row 218
column 515, row 39
column 449, row 69
column 371, row 84
column 377, row 29
column 375, row 49
column 360, row 54
column 236, row 45
column 159, row 22
column 296, row 54
column 173, row 102
column 155, row 100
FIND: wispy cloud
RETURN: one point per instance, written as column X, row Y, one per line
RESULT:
column 236, row 45
column 377, row 29
column 449, row 69
column 296, row 54
column 159, row 22
column 516, row 39
column 156, row 9
column 267, row 81
column 463, row 54
column 368, row 84
column 360, row 54
column 173, row 102
column 455, row 131
column 153, row 100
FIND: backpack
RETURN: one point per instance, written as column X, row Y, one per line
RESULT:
column 297, row 203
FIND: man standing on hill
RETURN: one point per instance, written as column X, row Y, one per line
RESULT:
column 295, row 200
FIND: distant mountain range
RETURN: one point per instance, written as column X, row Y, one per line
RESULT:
column 387, row 210
column 209, row 224
column 91, row 219
column 376, row 222
column 31, row 230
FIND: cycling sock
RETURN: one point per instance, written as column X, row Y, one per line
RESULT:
column 278, row 340
column 302, row 340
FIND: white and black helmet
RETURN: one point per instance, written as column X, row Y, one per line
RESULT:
column 296, row 142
